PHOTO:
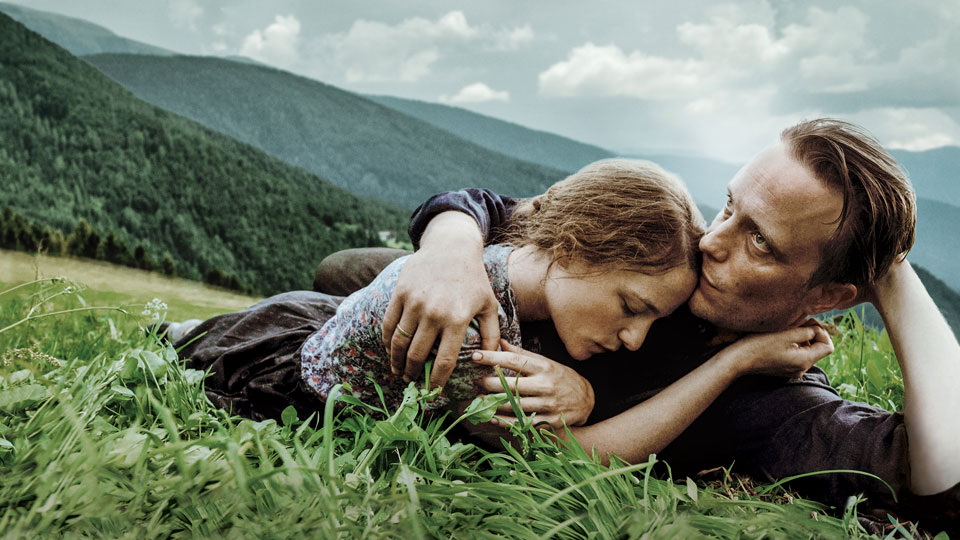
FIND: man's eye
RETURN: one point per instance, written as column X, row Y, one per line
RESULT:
column 760, row 242
column 727, row 207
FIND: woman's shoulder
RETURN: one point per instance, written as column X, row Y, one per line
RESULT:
column 495, row 260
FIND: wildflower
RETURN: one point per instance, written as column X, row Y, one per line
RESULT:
column 154, row 309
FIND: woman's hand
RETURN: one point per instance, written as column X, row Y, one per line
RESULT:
column 552, row 390
column 788, row 353
column 440, row 289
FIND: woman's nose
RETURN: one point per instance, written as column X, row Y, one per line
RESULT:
column 633, row 335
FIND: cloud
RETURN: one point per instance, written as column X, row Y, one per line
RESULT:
column 911, row 128
column 276, row 44
column 222, row 29
column 374, row 51
column 184, row 13
column 608, row 71
column 513, row 38
column 742, row 65
column 476, row 93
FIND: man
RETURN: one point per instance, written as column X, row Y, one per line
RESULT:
column 820, row 221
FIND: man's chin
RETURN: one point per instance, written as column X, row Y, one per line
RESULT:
column 704, row 309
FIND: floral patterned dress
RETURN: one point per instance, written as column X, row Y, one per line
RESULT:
column 349, row 349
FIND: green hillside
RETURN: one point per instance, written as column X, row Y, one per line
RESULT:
column 76, row 35
column 356, row 143
column 74, row 144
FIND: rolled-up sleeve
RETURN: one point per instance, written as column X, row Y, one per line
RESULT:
column 489, row 210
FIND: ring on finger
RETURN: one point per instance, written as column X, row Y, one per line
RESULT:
column 403, row 332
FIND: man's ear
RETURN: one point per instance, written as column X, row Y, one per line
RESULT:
column 829, row 296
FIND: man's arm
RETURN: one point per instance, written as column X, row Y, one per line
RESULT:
column 444, row 285
column 929, row 358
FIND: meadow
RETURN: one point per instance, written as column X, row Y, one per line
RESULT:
column 105, row 433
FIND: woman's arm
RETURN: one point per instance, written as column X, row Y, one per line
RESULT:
column 349, row 349
column 650, row 426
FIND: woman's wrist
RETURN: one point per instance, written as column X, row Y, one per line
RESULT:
column 730, row 363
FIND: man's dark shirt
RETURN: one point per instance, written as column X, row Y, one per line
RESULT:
column 765, row 426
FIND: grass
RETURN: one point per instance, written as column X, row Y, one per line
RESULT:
column 104, row 433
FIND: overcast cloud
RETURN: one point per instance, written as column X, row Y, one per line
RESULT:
column 630, row 76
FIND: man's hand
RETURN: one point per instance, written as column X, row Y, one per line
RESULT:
column 552, row 390
column 441, row 288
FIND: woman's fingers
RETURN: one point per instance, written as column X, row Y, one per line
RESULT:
column 531, row 404
column 553, row 421
column 522, row 385
column 511, row 357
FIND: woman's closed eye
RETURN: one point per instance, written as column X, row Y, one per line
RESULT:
column 631, row 312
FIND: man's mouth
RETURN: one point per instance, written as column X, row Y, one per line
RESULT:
column 706, row 281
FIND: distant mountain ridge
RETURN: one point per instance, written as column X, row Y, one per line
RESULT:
column 934, row 172
column 505, row 137
column 354, row 142
column 75, row 144
column 706, row 178
column 77, row 35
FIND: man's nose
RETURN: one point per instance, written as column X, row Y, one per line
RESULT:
column 713, row 242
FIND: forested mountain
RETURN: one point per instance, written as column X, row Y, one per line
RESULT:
column 938, row 240
column 356, row 143
column 75, row 144
column 946, row 298
column 77, row 35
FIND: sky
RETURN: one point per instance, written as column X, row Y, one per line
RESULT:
column 719, row 79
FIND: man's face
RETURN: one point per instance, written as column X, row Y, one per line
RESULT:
column 762, row 248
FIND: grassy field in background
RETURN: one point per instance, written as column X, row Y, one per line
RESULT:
column 112, row 285
column 105, row 433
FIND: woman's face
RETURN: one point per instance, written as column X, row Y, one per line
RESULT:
column 596, row 312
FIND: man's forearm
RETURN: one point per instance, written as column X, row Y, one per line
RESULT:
column 452, row 228
column 929, row 358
